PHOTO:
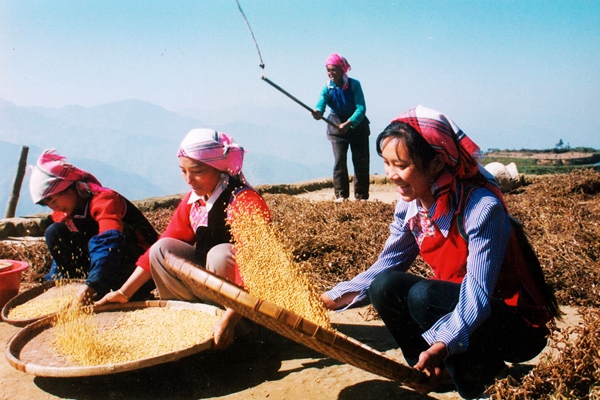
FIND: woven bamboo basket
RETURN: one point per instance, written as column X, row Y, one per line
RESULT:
column 35, row 292
column 28, row 350
column 328, row 342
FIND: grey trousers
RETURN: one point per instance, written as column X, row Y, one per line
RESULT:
column 219, row 261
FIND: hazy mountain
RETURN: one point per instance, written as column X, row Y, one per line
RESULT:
column 131, row 145
column 77, row 132
column 132, row 116
column 129, row 184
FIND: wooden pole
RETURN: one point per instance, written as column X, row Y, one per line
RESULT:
column 264, row 78
column 13, row 199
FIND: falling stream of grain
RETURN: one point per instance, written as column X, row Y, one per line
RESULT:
column 269, row 271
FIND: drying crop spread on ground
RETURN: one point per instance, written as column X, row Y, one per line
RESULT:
column 334, row 242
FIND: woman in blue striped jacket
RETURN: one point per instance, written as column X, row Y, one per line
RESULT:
column 487, row 301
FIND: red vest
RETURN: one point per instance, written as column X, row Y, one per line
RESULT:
column 447, row 256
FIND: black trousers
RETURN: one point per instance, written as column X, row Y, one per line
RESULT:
column 410, row 305
column 357, row 140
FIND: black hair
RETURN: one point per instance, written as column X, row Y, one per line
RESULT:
column 421, row 152
column 81, row 188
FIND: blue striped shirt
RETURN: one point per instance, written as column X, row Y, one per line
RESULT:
column 488, row 229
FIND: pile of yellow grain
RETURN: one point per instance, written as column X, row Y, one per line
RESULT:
column 269, row 271
column 49, row 302
column 128, row 336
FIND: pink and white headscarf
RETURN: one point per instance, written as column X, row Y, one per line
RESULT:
column 51, row 175
column 339, row 61
column 216, row 149
column 460, row 153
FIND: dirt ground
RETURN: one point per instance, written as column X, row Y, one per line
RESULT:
column 261, row 366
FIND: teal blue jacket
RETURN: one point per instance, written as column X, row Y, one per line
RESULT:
column 347, row 104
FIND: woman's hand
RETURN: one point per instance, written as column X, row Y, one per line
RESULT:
column 223, row 334
column 129, row 288
column 113, row 297
column 343, row 301
column 431, row 363
column 85, row 295
column 343, row 128
column 317, row 114
column 223, row 331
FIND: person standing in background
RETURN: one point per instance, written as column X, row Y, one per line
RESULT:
column 344, row 97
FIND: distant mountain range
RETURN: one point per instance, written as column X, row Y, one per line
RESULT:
column 131, row 145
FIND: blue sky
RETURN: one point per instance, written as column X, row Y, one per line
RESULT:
column 512, row 74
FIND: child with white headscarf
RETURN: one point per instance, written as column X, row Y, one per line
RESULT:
column 96, row 233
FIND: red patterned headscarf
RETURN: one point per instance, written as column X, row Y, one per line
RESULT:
column 460, row 153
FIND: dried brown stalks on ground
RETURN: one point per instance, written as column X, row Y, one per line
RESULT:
column 334, row 242
column 571, row 369
column 561, row 214
column 34, row 253
column 160, row 217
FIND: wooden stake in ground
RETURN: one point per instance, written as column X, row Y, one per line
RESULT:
column 13, row 199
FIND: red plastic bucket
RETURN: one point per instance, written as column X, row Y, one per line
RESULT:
column 10, row 279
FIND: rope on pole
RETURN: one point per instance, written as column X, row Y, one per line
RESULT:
column 264, row 77
column 262, row 64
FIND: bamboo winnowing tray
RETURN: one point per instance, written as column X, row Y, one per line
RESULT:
column 29, row 350
column 328, row 342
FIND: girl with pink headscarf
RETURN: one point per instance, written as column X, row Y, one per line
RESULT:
column 487, row 301
column 345, row 99
column 211, row 164
column 96, row 233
